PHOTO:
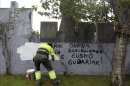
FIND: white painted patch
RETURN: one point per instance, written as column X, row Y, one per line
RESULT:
column 28, row 51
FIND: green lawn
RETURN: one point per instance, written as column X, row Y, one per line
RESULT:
column 66, row 81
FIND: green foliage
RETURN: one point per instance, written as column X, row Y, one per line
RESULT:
column 98, row 11
column 86, row 10
column 34, row 8
column 64, row 8
column 80, row 10
column 124, row 3
column 12, row 18
column 48, row 8
column 77, row 80
column 6, row 27
column 65, row 81
column 35, row 33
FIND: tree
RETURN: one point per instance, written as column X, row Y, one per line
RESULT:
column 121, row 9
column 73, row 11
column 87, row 10
column 5, row 29
column 67, row 10
column 5, row 51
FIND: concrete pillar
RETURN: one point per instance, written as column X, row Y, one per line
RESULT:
column 105, row 33
column 48, row 31
column 13, row 5
column 12, row 14
column 86, row 32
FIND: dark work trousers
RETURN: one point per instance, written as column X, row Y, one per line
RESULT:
column 44, row 59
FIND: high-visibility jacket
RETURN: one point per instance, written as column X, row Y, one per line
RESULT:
column 47, row 47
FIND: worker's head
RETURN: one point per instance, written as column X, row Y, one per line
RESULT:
column 50, row 44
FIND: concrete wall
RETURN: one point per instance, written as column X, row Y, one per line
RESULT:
column 4, row 15
column 48, row 31
column 78, row 58
column 2, row 61
column 18, row 36
column 15, row 42
column 105, row 33
column 86, row 32
column 23, row 23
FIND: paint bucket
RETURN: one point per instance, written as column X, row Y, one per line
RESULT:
column 30, row 74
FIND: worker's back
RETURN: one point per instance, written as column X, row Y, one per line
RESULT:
column 48, row 47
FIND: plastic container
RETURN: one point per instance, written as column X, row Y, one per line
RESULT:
column 30, row 74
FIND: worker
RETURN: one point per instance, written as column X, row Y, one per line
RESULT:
column 42, row 56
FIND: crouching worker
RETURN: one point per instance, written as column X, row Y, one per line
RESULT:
column 42, row 56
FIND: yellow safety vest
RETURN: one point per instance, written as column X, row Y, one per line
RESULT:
column 48, row 47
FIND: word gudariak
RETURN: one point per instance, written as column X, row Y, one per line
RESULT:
column 83, row 61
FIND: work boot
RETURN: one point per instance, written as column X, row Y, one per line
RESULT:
column 56, row 82
column 38, row 82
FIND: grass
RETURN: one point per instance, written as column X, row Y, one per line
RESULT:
column 76, row 80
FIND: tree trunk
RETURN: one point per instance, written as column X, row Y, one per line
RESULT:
column 118, row 60
column 68, row 24
column 67, row 29
column 6, row 53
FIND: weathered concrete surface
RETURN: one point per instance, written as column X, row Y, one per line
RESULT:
column 23, row 24
column 20, row 34
column 2, row 61
column 82, row 59
column 48, row 31
column 14, row 42
column 89, row 59
column 4, row 15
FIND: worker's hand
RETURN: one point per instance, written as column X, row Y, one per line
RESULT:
column 53, row 59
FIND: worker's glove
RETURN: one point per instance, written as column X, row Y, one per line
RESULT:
column 53, row 59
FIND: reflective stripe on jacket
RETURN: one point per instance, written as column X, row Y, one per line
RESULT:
column 43, row 51
column 48, row 47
